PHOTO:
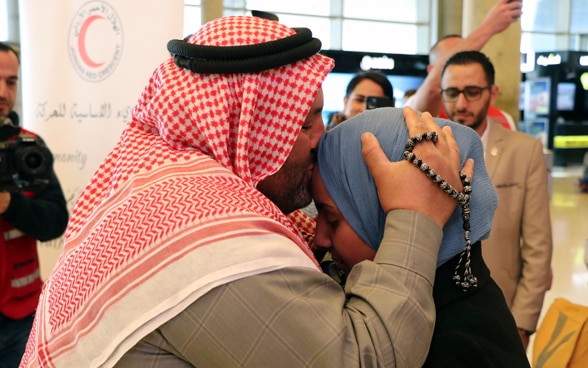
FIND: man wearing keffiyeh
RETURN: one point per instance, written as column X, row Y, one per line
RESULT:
column 186, row 250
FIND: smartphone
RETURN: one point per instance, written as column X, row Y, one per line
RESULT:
column 520, row 1
column 373, row 102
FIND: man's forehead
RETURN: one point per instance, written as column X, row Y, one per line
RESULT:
column 463, row 74
column 464, row 70
column 8, row 56
column 9, row 64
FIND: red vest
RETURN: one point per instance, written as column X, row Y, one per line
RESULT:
column 20, row 279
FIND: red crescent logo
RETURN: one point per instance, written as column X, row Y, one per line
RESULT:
column 82, row 42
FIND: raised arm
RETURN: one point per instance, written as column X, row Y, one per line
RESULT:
column 499, row 17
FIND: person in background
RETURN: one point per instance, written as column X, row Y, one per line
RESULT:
column 361, row 86
column 443, row 47
column 518, row 251
column 184, row 250
column 499, row 18
column 473, row 327
column 37, row 212
column 408, row 94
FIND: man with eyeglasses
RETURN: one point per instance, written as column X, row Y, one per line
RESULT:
column 438, row 54
column 519, row 249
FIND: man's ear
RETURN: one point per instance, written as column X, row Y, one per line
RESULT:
column 493, row 95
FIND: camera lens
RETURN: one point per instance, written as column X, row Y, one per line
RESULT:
column 32, row 161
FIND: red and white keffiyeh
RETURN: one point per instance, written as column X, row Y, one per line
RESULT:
column 173, row 211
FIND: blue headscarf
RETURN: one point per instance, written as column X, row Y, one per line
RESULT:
column 352, row 188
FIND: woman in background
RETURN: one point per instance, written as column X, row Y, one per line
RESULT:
column 361, row 86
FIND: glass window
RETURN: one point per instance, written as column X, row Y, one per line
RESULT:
column 3, row 21
column 379, row 37
column 320, row 26
column 234, row 3
column 406, row 11
column 310, row 7
column 579, row 42
column 544, row 16
column 355, row 25
column 554, row 25
column 539, row 42
column 192, row 19
column 239, row 11
column 579, row 14
column 538, row 15
column 364, row 25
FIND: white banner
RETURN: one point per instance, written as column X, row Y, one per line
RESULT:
column 83, row 67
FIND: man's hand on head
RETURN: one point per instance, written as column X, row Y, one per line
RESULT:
column 401, row 185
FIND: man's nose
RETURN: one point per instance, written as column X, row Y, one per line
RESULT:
column 461, row 100
column 317, row 132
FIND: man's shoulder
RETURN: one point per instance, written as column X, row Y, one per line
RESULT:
column 516, row 136
column 516, row 144
column 501, row 117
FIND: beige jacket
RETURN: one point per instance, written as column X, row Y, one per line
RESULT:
column 519, row 249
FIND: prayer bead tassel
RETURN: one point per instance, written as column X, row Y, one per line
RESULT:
column 463, row 198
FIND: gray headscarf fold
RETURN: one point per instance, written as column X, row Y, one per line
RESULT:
column 352, row 188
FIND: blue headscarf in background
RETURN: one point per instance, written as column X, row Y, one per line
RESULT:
column 352, row 188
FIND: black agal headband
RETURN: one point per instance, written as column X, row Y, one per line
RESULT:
column 207, row 59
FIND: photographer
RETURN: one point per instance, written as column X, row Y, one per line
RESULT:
column 27, row 214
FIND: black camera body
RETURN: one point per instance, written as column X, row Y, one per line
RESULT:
column 25, row 162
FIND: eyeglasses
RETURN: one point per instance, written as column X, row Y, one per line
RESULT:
column 471, row 93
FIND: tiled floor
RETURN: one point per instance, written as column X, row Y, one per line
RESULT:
column 569, row 218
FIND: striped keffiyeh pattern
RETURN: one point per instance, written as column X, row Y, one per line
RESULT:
column 173, row 211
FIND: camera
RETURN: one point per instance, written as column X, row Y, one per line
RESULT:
column 25, row 162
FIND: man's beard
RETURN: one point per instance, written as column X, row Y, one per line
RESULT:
column 289, row 189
